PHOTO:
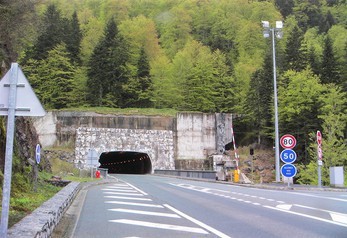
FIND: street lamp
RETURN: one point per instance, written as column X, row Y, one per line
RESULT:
column 279, row 34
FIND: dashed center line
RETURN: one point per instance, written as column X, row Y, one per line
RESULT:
column 336, row 218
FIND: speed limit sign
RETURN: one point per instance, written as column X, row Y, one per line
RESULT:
column 288, row 141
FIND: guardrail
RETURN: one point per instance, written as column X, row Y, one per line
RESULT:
column 204, row 174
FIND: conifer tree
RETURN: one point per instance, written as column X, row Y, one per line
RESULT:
column 329, row 67
column 57, row 78
column 73, row 39
column 259, row 101
column 53, row 29
column 294, row 55
column 137, row 90
column 107, row 70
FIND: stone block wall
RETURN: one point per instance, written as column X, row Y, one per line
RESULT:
column 42, row 221
column 158, row 144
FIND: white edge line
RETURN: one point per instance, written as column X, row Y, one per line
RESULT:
column 136, row 188
column 199, row 223
column 308, row 216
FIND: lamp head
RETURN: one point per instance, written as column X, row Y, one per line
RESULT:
column 279, row 24
column 266, row 24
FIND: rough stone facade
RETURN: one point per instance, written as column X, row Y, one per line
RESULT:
column 158, row 144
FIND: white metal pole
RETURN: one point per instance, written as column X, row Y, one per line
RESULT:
column 6, row 189
column 277, row 151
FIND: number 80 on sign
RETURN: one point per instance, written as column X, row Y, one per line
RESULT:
column 288, row 141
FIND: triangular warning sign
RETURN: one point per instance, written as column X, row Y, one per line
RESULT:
column 27, row 104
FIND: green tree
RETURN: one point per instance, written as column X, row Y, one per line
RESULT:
column 165, row 89
column 107, row 69
column 334, row 117
column 285, row 7
column 298, row 100
column 57, row 77
column 260, row 103
column 137, row 92
column 18, row 22
column 52, row 33
column 308, row 13
column 329, row 67
column 175, row 30
column 295, row 55
column 334, row 146
column 73, row 39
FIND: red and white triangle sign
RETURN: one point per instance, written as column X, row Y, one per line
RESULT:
column 27, row 104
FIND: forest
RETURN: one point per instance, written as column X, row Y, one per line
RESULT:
column 192, row 55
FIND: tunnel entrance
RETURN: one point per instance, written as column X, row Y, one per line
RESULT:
column 126, row 162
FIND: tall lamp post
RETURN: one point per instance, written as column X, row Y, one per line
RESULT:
column 279, row 34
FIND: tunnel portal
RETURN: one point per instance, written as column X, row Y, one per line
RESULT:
column 126, row 162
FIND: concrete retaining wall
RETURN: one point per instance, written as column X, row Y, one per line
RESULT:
column 188, row 173
column 42, row 221
column 167, row 140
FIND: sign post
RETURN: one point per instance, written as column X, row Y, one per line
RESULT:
column 288, row 156
column 320, row 157
column 16, row 99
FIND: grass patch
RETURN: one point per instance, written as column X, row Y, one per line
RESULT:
column 63, row 168
column 25, row 199
column 126, row 111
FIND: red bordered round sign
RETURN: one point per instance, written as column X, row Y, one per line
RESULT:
column 288, row 141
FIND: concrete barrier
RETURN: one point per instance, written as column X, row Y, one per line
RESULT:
column 203, row 174
column 42, row 221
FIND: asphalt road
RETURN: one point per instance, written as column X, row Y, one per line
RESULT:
column 153, row 206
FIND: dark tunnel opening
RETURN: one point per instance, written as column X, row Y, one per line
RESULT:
column 126, row 162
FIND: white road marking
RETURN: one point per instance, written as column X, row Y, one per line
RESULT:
column 284, row 206
column 135, row 204
column 120, row 187
column 129, row 198
column 162, row 214
column 308, row 216
column 118, row 190
column 125, row 194
column 338, row 217
column 322, row 197
column 160, row 226
column 139, row 190
column 199, row 223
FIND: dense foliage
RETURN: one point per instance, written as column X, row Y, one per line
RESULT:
column 194, row 55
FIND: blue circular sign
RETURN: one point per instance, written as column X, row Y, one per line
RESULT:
column 38, row 153
column 288, row 156
column 288, row 170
